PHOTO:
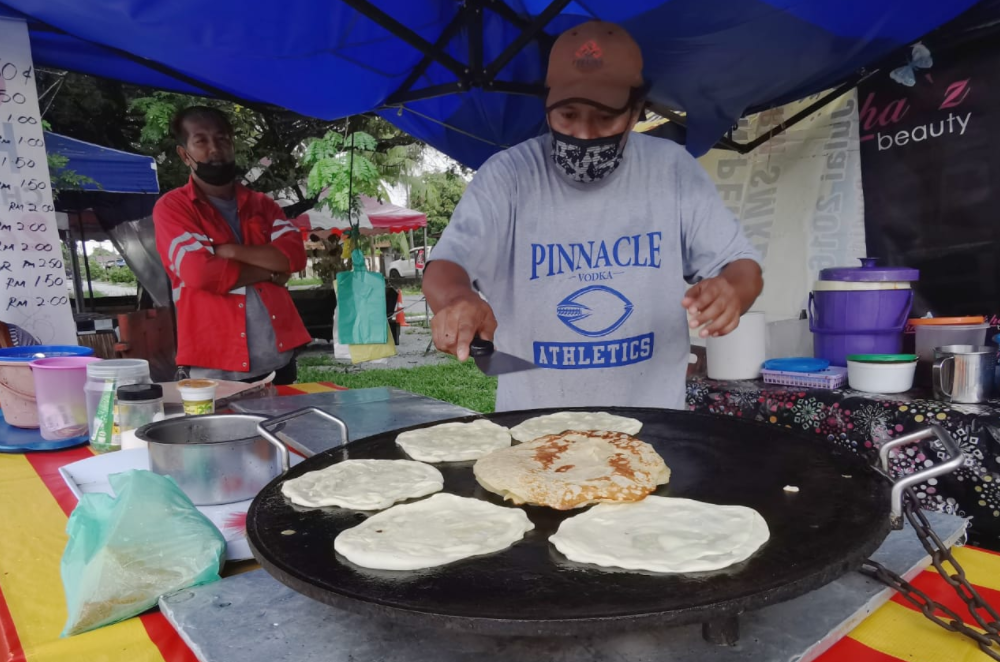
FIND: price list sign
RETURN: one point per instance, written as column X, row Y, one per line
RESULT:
column 33, row 280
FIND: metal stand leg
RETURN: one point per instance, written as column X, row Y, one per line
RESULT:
column 722, row 632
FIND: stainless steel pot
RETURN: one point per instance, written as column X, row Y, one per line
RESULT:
column 221, row 458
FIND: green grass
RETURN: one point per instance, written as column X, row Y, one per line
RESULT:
column 305, row 281
column 460, row 384
column 416, row 291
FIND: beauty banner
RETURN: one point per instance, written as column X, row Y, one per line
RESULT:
column 930, row 156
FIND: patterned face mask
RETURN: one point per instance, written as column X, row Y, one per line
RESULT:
column 587, row 160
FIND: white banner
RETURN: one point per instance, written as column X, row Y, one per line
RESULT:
column 33, row 292
column 798, row 197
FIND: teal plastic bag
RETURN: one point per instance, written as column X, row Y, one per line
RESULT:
column 125, row 552
column 361, row 316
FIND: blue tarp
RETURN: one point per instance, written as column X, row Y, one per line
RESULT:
column 114, row 171
column 713, row 59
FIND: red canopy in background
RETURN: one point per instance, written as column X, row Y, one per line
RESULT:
column 384, row 217
column 388, row 217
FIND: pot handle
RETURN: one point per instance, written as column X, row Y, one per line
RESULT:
column 955, row 460
column 269, row 429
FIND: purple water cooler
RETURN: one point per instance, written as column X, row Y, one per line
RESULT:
column 860, row 310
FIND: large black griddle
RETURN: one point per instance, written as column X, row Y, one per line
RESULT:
column 840, row 515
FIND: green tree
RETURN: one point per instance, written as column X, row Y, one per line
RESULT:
column 270, row 140
column 269, row 143
column 343, row 169
column 437, row 197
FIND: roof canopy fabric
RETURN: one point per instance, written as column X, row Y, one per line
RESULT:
column 377, row 218
column 460, row 75
column 112, row 171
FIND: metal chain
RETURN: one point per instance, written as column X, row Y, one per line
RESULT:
column 984, row 614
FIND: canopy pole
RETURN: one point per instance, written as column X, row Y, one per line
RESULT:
column 77, row 282
column 527, row 34
column 86, row 262
column 427, row 310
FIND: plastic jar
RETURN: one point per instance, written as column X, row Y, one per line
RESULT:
column 103, row 380
column 197, row 396
column 138, row 405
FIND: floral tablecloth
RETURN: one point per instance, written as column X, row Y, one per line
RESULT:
column 861, row 422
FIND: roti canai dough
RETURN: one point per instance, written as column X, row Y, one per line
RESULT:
column 454, row 442
column 540, row 426
column 436, row 531
column 573, row 469
column 662, row 534
column 364, row 484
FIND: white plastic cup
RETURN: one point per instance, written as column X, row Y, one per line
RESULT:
column 197, row 396
column 62, row 408
column 742, row 353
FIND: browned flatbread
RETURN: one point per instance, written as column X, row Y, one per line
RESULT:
column 573, row 469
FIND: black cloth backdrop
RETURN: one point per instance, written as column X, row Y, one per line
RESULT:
column 930, row 157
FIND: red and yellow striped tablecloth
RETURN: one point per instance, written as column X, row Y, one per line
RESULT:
column 35, row 503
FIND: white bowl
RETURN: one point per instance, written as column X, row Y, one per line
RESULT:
column 881, row 377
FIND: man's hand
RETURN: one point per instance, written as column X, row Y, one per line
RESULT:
column 461, row 320
column 280, row 279
column 717, row 303
column 714, row 302
column 227, row 251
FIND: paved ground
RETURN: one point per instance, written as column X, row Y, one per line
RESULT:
column 110, row 289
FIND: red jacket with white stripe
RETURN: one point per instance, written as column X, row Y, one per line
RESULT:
column 211, row 314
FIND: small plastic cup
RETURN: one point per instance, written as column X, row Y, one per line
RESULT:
column 198, row 396
column 62, row 409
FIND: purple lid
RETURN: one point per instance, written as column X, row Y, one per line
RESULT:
column 868, row 272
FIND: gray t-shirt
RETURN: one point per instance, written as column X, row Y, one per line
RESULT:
column 586, row 280
column 262, row 344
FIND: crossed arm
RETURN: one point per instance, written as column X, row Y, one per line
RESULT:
column 257, row 263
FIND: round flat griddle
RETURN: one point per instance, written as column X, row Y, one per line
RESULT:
column 836, row 520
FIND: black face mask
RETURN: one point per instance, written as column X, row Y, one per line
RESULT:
column 587, row 160
column 216, row 174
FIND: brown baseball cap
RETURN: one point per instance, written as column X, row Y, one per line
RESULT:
column 597, row 62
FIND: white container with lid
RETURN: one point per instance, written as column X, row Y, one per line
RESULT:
column 103, row 380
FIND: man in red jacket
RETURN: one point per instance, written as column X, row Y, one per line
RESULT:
column 229, row 252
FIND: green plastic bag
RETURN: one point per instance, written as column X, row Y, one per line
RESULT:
column 125, row 552
column 361, row 316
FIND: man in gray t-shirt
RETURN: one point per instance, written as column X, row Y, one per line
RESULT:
column 574, row 247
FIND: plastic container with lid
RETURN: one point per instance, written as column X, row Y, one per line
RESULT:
column 933, row 332
column 103, row 380
column 860, row 310
column 17, row 386
column 198, row 396
column 881, row 373
column 138, row 405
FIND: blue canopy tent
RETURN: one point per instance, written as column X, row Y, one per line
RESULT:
column 115, row 204
column 111, row 170
column 465, row 76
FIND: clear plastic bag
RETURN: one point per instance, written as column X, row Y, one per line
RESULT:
column 125, row 552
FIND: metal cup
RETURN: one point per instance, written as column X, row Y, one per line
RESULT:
column 964, row 373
